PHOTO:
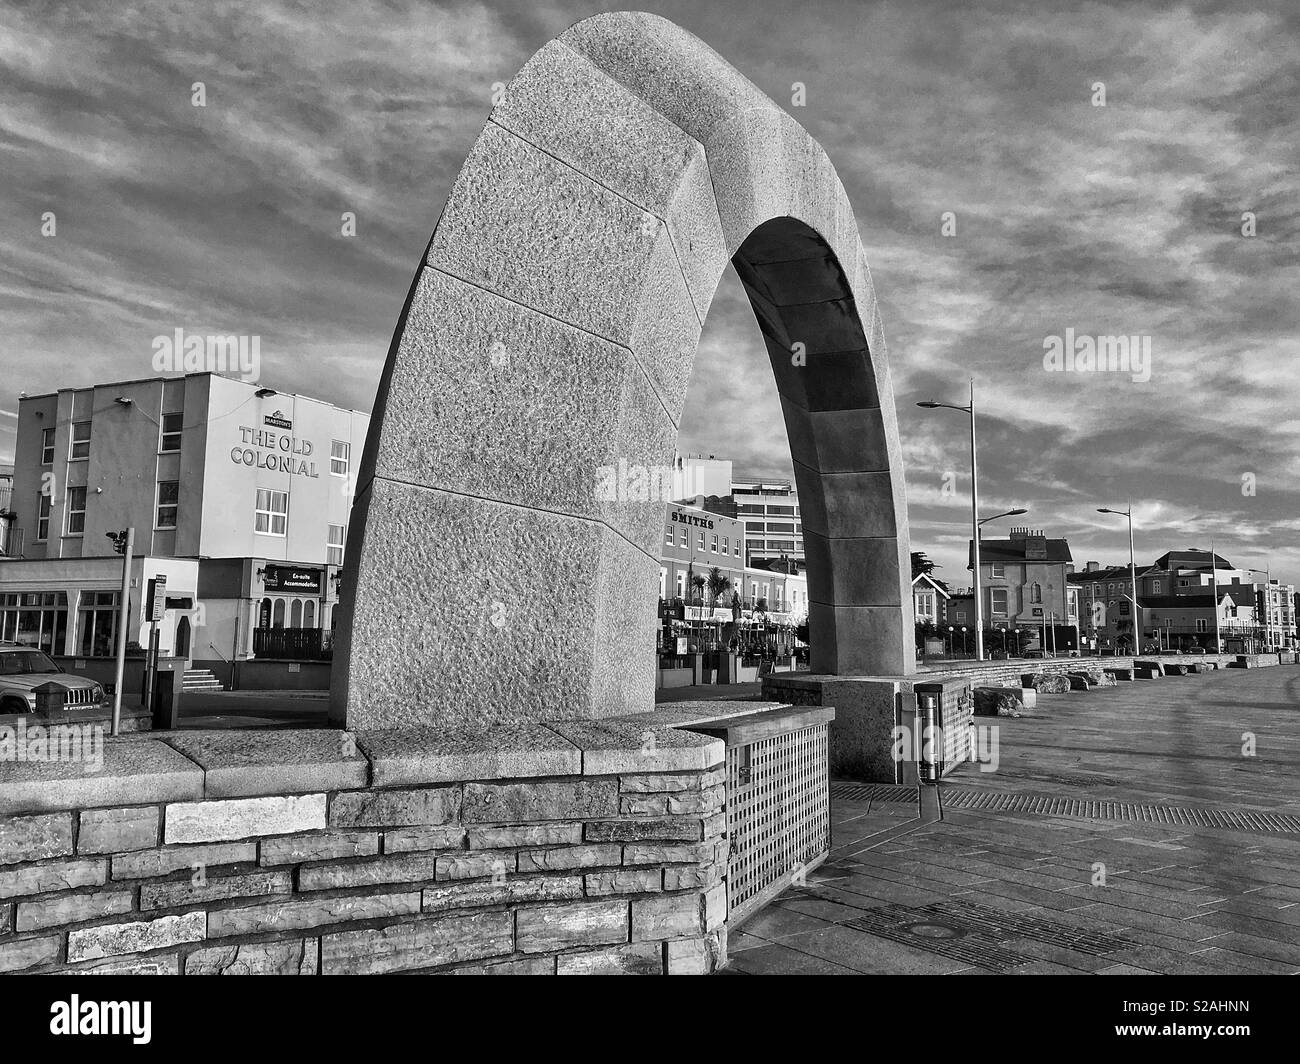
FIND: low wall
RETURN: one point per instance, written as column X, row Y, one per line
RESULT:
column 573, row 847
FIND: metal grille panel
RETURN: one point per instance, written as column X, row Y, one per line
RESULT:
column 778, row 813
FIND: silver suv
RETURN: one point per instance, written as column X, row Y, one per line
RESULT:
column 23, row 669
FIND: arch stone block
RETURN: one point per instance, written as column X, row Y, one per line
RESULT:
column 545, row 350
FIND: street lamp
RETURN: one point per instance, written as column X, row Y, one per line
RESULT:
column 1268, row 603
column 1132, row 572
column 974, row 512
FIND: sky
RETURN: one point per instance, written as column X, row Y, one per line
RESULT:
column 1017, row 169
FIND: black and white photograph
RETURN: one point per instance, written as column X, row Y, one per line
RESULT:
column 723, row 489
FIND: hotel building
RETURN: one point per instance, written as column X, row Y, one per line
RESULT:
column 239, row 495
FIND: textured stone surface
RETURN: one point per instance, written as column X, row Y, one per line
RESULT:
column 550, row 333
column 644, row 958
column 592, row 923
column 157, row 964
column 414, row 868
column 137, row 936
column 241, row 818
column 242, row 763
column 182, row 893
column 54, row 875
column 298, row 956
column 423, row 944
column 72, row 909
column 309, row 912
column 483, row 838
column 524, row 966
column 28, row 953
column 294, row 849
column 168, row 859
column 410, row 840
column 429, row 805
column 116, row 830
column 513, row 889
column 629, row 881
column 34, row 838
column 697, row 956
column 135, row 771
column 679, row 829
column 669, row 916
column 628, row 745
column 410, row 756
column 507, row 803
column 569, row 857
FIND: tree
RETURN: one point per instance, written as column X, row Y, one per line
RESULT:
column 922, row 564
column 719, row 584
column 698, row 582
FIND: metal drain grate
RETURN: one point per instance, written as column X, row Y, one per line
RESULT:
column 976, row 934
column 1092, row 809
column 872, row 792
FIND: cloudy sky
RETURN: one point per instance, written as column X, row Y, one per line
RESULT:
column 1125, row 219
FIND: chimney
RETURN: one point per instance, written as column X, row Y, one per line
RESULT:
column 1035, row 545
column 1092, row 567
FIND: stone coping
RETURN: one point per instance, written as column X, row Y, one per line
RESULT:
column 197, row 764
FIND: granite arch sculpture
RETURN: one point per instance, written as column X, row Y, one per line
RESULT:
column 549, row 335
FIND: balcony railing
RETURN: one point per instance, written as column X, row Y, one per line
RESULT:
column 293, row 644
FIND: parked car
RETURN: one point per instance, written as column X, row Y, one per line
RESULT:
column 23, row 669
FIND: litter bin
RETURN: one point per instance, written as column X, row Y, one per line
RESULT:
column 166, row 706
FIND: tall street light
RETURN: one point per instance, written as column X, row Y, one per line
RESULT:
column 1268, row 603
column 1132, row 572
column 974, row 512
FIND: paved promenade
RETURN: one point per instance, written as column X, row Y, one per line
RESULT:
column 1150, row 828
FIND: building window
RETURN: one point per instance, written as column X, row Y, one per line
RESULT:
column 272, row 514
column 713, row 544
column 668, row 536
column 171, row 432
column 701, row 541
column 169, row 492
column 1202, row 625
column 736, row 549
column 682, row 536
column 681, row 584
column 1184, row 583
column 663, row 582
column 76, row 511
column 998, row 601
column 998, row 570
column 1155, row 587
column 47, row 447
column 334, row 548
column 726, row 545
column 80, row 440
column 35, row 619
column 1036, row 593
column 340, row 455
column 42, row 517
column 97, row 624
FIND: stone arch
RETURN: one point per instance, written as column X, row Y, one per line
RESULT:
column 547, row 343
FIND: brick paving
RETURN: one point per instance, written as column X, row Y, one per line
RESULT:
column 1016, row 886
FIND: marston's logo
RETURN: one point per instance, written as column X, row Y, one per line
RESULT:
column 278, row 420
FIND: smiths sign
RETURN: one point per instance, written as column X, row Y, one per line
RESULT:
column 292, row 578
column 680, row 517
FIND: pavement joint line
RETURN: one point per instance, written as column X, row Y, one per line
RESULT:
column 1215, row 901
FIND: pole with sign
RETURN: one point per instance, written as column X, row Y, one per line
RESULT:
column 123, row 542
column 154, row 608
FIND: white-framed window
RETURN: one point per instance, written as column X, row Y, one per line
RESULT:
column 47, row 446
column 701, row 547
column 96, row 623
column 736, row 549
column 663, row 582
column 272, row 514
column 668, row 536
column 681, row 584
column 169, row 493
column 683, row 537
column 998, row 570
column 998, row 601
column 713, row 544
column 42, row 517
column 925, row 605
column 1155, row 587
column 334, row 547
column 76, row 511
column 726, row 544
column 169, row 438
column 80, row 447
column 340, row 457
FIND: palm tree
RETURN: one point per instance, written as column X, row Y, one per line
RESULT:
column 719, row 584
column 699, row 583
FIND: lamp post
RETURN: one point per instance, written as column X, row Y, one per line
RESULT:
column 1132, row 572
column 974, row 513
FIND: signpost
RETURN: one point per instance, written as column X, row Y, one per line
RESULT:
column 124, row 544
column 154, row 609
